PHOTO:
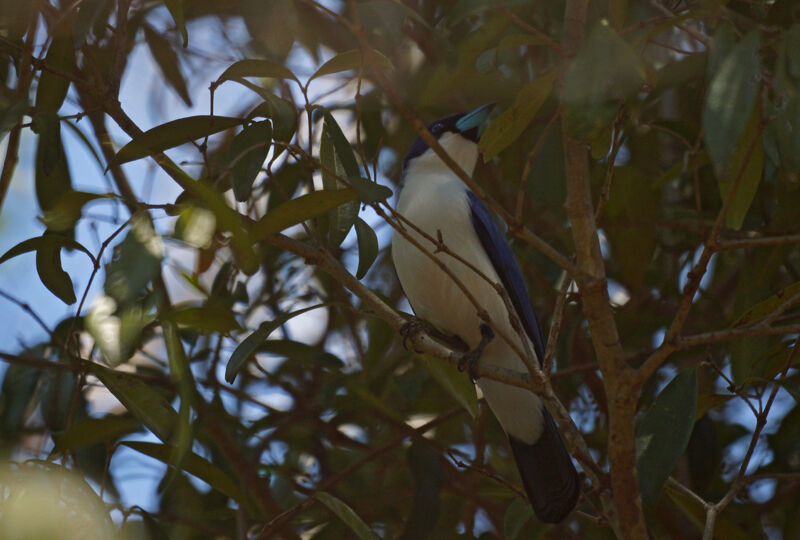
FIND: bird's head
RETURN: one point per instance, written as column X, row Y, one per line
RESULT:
column 458, row 134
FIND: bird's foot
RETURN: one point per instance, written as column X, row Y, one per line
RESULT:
column 415, row 325
column 469, row 360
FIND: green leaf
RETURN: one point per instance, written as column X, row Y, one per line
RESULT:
column 196, row 226
column 786, row 125
column 263, row 69
column 505, row 129
column 518, row 513
column 137, row 259
column 750, row 176
column 33, row 244
column 298, row 210
column 167, row 60
column 180, row 371
column 52, row 177
column 194, row 465
column 762, row 310
column 282, row 113
column 66, row 211
column 143, row 402
column 255, row 340
column 87, row 432
column 631, row 223
column 348, row 60
column 175, row 8
column 53, row 88
column 470, row 8
column 347, row 515
column 209, row 317
column 340, row 219
column 605, row 71
column 117, row 332
column 664, row 431
column 300, row 352
column 19, row 385
column 367, row 247
column 172, row 134
column 454, row 382
column 426, row 468
column 52, row 274
column 249, row 148
column 729, row 102
column 12, row 109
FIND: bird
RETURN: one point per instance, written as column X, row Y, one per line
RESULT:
column 436, row 201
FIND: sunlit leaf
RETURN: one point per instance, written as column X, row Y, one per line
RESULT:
column 347, row 515
column 664, row 431
column 172, row 134
column 66, row 211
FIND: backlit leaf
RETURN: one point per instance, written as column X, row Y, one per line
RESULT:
column 347, row 515
column 762, row 310
column 664, row 431
column 250, row 149
column 262, row 69
column 730, row 100
column 750, row 175
column 367, row 247
column 143, row 402
column 298, row 210
column 349, row 60
column 518, row 513
column 454, row 382
column 167, row 60
column 172, row 134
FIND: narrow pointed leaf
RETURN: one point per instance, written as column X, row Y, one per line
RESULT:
column 175, row 8
column 263, row 69
column 194, row 465
column 763, row 309
column 339, row 220
column 348, row 60
column 252, row 342
column 90, row 431
column 53, row 88
column 33, row 244
column 730, row 100
column 167, row 60
column 249, row 148
column 750, row 171
column 664, row 431
column 52, row 274
column 295, row 211
column 347, row 515
column 172, row 134
column 143, row 402
column 367, row 247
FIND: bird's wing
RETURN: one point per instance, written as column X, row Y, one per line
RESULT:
column 494, row 243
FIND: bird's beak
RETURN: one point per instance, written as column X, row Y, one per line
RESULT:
column 476, row 119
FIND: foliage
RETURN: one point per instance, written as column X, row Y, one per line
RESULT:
column 669, row 279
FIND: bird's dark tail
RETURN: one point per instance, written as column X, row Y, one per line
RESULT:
column 547, row 472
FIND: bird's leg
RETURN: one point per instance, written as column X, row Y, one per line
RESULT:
column 469, row 360
column 418, row 325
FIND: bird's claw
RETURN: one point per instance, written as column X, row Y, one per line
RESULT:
column 469, row 360
column 412, row 327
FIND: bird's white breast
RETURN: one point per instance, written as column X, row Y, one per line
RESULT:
column 435, row 200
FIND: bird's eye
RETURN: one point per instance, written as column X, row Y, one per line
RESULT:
column 437, row 128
